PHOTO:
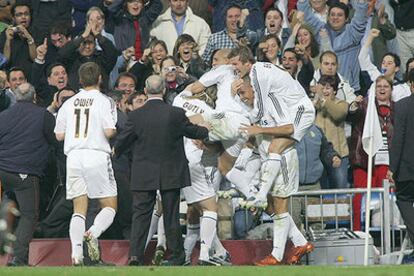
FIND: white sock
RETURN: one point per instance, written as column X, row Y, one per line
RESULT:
column 153, row 226
column 76, row 231
column 218, row 246
column 280, row 234
column 161, row 241
column 241, row 180
column 207, row 231
column 268, row 172
column 193, row 233
column 295, row 235
column 102, row 221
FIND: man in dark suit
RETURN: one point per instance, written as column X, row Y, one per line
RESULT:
column 159, row 163
column 402, row 157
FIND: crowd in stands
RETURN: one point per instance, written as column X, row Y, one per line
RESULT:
column 341, row 52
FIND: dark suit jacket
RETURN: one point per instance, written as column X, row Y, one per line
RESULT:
column 159, row 160
column 402, row 148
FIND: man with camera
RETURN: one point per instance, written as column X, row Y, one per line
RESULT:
column 16, row 42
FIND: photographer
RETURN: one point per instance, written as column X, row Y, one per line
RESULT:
column 16, row 42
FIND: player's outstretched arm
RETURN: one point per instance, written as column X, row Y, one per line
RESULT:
column 280, row 131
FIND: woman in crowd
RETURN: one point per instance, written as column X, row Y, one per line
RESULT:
column 359, row 159
column 150, row 62
column 269, row 49
column 175, row 78
column 186, row 54
column 330, row 117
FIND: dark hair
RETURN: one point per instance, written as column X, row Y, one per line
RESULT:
column 60, row 28
column 125, row 75
column 314, row 45
column 331, row 80
column 53, row 65
column 274, row 9
column 19, row 4
column 184, row 38
column 291, row 50
column 89, row 74
column 15, row 69
column 411, row 76
column 167, row 58
column 244, row 53
column 261, row 56
column 115, row 95
column 407, row 70
column 396, row 58
column 232, row 5
column 339, row 5
column 327, row 53
column 66, row 88
column 133, row 96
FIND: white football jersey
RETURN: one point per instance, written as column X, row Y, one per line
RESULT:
column 191, row 106
column 270, row 81
column 223, row 76
column 83, row 119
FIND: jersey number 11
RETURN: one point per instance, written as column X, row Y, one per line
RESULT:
column 78, row 116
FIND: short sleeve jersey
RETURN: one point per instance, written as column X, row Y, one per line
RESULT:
column 83, row 118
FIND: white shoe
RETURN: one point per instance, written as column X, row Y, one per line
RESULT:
column 77, row 261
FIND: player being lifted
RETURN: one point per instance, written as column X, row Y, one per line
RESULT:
column 276, row 90
column 86, row 121
column 286, row 180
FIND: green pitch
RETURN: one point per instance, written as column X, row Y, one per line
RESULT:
column 214, row 271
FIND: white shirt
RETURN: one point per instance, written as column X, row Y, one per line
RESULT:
column 83, row 118
column 223, row 76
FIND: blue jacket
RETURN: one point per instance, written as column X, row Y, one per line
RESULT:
column 346, row 43
column 26, row 130
column 314, row 151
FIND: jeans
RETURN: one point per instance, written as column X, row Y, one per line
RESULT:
column 243, row 222
column 336, row 178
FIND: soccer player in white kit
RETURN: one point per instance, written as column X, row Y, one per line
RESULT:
column 201, row 195
column 274, row 88
column 85, row 122
column 285, row 184
column 229, row 115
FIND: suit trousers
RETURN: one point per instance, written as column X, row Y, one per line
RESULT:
column 405, row 201
column 26, row 189
column 142, row 208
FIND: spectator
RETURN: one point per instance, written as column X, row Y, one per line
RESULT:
column 390, row 65
column 5, row 97
column 269, row 49
column 403, row 19
column 5, row 14
column 26, row 132
column 60, row 34
column 254, row 22
column 57, row 77
column 329, row 66
column 299, row 66
column 136, row 100
column 186, row 54
column 359, row 158
column 226, row 38
column 17, row 43
column 83, row 49
column 150, row 62
column 15, row 77
column 175, row 78
column 345, row 37
column 330, row 117
column 179, row 19
column 80, row 8
column 319, row 9
column 133, row 23
column 273, row 25
column 125, row 83
column 46, row 13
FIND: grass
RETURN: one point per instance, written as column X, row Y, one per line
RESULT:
column 214, row 271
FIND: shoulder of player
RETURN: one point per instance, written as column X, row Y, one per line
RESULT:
column 268, row 65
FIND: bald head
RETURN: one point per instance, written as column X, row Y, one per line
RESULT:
column 220, row 57
column 154, row 85
column 25, row 92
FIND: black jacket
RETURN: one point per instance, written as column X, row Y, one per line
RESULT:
column 159, row 160
column 402, row 148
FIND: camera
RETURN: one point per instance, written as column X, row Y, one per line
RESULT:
column 15, row 29
column 171, row 69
